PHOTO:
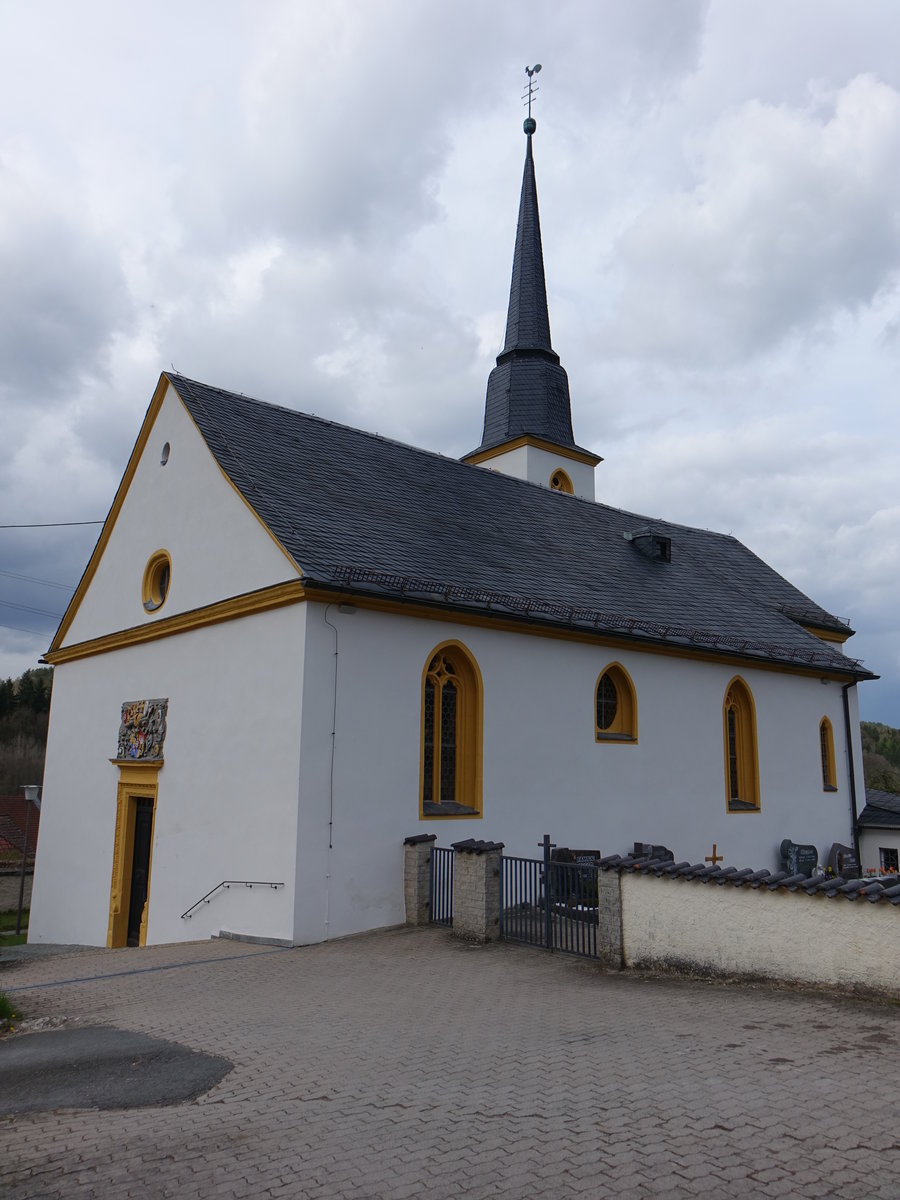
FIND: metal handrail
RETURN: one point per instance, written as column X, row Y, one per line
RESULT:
column 227, row 883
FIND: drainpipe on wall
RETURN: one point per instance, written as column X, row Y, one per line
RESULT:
column 848, row 734
column 342, row 608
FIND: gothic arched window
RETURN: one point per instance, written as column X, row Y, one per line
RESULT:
column 826, row 751
column 615, row 706
column 741, row 761
column 451, row 734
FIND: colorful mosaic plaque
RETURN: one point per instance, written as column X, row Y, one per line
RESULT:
column 143, row 729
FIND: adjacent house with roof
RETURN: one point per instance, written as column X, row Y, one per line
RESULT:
column 296, row 643
column 879, row 832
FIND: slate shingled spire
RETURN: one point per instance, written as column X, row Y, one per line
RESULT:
column 528, row 390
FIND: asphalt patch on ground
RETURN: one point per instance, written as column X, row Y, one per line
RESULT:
column 97, row 1067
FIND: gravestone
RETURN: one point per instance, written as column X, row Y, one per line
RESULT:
column 577, row 884
column 842, row 861
column 798, row 859
column 650, row 850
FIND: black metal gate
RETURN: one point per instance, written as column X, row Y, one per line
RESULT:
column 440, row 899
column 550, row 904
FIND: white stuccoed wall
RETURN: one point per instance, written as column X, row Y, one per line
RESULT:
column 537, row 466
column 227, row 801
column 778, row 935
column 217, row 545
column 543, row 771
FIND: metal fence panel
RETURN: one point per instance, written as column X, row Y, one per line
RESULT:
column 550, row 904
column 440, row 900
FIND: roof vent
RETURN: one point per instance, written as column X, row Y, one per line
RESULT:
column 651, row 545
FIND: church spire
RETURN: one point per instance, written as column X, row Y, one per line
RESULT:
column 527, row 398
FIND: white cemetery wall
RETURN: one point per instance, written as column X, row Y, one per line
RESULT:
column 689, row 925
column 187, row 507
column 227, row 793
column 543, row 771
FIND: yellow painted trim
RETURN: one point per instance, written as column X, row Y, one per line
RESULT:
column 237, row 491
column 828, row 635
column 140, row 444
column 248, row 603
column 469, row 736
column 624, row 729
column 829, row 774
column 456, row 616
column 136, row 782
column 295, row 591
column 739, row 697
column 152, row 595
column 581, row 456
column 560, row 482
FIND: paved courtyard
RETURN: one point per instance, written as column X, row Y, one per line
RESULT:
column 405, row 1063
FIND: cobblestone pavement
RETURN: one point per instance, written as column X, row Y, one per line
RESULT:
column 405, row 1063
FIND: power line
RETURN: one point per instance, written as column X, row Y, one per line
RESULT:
column 31, row 579
column 19, row 629
column 51, row 525
column 42, row 612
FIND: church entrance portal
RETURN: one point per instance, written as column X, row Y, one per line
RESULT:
column 140, row 867
column 129, row 897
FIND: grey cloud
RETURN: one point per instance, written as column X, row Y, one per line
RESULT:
column 791, row 221
column 63, row 294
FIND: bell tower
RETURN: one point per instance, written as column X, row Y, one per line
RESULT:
column 527, row 412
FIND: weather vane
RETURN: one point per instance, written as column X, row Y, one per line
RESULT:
column 530, row 125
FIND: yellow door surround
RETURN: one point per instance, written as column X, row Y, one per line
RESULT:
column 137, row 781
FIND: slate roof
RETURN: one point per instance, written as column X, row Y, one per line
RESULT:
column 882, row 810
column 364, row 514
column 833, row 887
column 528, row 390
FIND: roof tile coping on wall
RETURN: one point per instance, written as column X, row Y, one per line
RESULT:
column 416, row 838
column 473, row 846
column 831, row 886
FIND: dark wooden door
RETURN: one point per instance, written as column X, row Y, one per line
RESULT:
column 140, row 868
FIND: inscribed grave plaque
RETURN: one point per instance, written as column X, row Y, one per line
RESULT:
column 798, row 859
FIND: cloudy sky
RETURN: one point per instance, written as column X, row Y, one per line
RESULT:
column 314, row 203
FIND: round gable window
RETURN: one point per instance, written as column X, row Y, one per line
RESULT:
column 157, row 576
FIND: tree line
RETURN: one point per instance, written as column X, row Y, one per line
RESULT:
column 24, row 712
column 881, row 756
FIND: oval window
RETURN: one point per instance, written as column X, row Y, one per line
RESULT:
column 157, row 577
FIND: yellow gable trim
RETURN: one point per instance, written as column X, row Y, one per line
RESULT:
column 244, row 605
column 237, row 491
column 582, row 456
column 116, row 507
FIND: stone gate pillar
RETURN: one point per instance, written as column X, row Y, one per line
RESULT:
column 476, row 889
column 417, row 877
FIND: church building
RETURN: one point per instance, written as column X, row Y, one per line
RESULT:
column 297, row 643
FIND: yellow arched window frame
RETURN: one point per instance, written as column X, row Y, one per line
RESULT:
column 560, row 482
column 615, row 706
column 741, row 758
column 451, row 737
column 826, row 753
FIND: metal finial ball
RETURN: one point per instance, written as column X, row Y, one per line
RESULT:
column 529, row 125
